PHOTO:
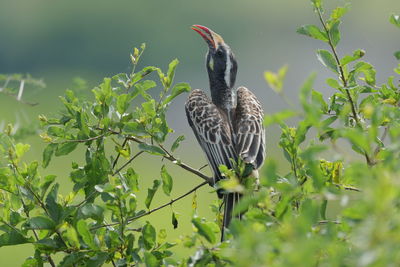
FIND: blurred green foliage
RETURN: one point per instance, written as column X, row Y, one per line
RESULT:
column 338, row 205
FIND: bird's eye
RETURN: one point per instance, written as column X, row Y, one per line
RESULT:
column 219, row 52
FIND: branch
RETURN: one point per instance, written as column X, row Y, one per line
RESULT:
column 128, row 162
column 370, row 162
column 129, row 220
column 169, row 157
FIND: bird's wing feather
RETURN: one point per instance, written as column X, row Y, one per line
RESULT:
column 211, row 130
column 249, row 130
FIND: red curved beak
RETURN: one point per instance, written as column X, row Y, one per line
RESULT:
column 205, row 33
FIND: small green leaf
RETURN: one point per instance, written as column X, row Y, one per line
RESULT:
column 204, row 230
column 395, row 20
column 327, row 59
column 177, row 142
column 333, row 83
column 93, row 211
column 178, row 89
column 155, row 150
column 47, row 154
column 359, row 53
column 97, row 260
column 397, row 55
column 149, row 236
column 86, row 235
column 151, row 192
column 65, row 148
column 174, row 220
column 323, row 209
column 317, row 3
column 171, row 71
column 167, row 181
column 339, row 12
column 335, row 33
column 314, row 32
column 317, row 97
column 122, row 103
column 41, row 222
column 132, row 178
column 150, row 260
column 21, row 149
column 275, row 80
column 12, row 238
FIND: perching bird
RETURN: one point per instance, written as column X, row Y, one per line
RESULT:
column 228, row 126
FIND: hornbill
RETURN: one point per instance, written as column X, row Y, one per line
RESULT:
column 229, row 126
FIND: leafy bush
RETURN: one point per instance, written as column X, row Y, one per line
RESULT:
column 337, row 206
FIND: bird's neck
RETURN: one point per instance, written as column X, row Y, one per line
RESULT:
column 223, row 97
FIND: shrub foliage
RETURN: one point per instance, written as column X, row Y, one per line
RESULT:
column 338, row 205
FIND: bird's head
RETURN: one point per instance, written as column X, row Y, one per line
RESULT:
column 220, row 62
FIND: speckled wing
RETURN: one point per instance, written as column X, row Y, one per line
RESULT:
column 248, row 127
column 211, row 130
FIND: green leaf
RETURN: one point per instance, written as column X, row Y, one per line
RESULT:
column 123, row 103
column 151, row 192
column 364, row 68
column 65, row 148
column 178, row 89
column 167, row 181
column 317, row 3
column 339, row 12
column 85, row 234
column 171, row 71
column 397, row 55
column 313, row 31
column 132, row 178
column 177, row 142
column 12, row 238
column 323, row 209
column 335, row 33
column 41, row 222
column 155, row 150
column 174, row 220
column 90, row 210
column 21, row 149
column 150, row 260
column 279, row 117
column 47, row 154
column 149, row 236
column 333, row 83
column 275, row 80
column 97, row 260
column 359, row 53
column 327, row 59
column 204, row 230
column 395, row 20
column 317, row 97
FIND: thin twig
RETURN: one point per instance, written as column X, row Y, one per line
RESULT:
column 80, row 140
column 129, row 220
column 128, row 162
column 119, row 154
column 347, row 187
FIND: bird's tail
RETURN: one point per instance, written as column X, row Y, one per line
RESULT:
column 230, row 199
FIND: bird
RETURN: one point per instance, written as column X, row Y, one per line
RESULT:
column 229, row 126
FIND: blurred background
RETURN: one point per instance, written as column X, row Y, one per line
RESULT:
column 61, row 41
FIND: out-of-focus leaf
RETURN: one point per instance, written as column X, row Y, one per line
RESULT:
column 86, row 235
column 395, row 20
column 47, row 154
column 204, row 230
column 151, row 192
column 167, row 181
column 335, row 33
column 174, row 220
column 178, row 89
column 65, row 148
column 155, row 150
column 177, row 142
column 149, row 236
column 150, row 260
